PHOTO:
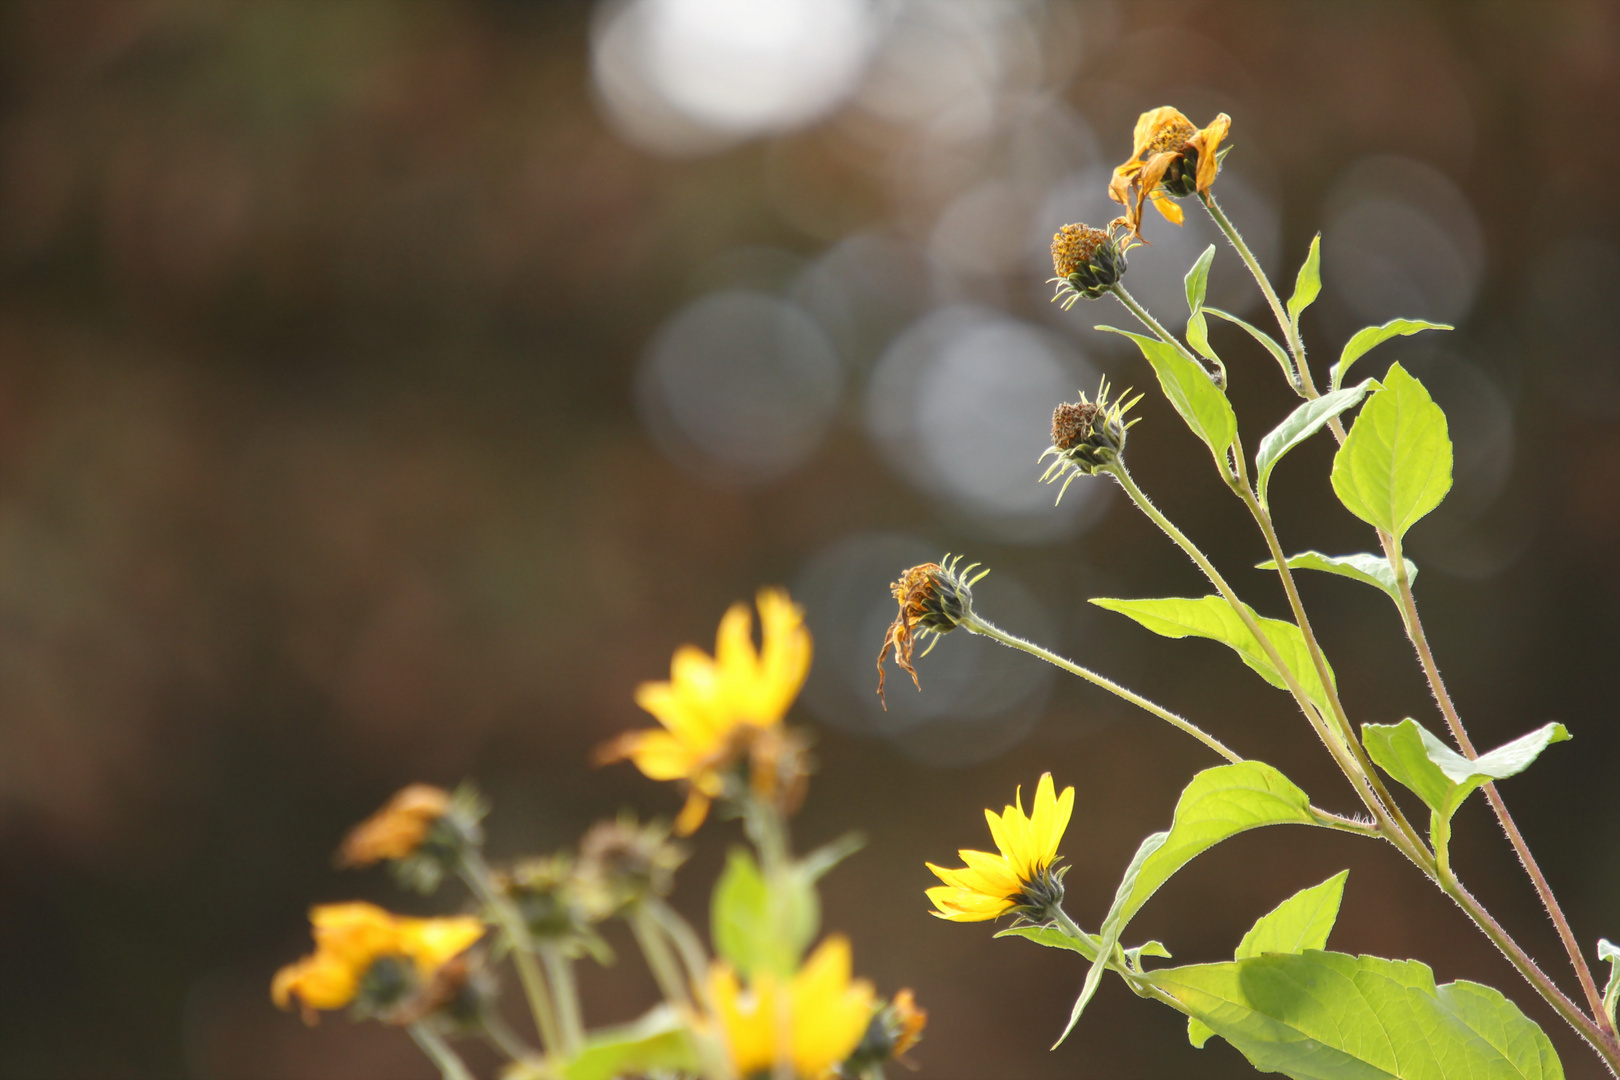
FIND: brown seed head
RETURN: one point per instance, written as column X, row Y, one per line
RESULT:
column 1071, row 423
column 1073, row 246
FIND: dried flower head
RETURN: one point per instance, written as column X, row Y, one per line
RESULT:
column 622, row 861
column 1086, row 436
column 1087, row 261
column 397, row 829
column 934, row 599
column 1170, row 159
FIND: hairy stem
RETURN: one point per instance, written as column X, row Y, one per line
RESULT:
column 976, row 624
column 434, row 1046
column 475, row 872
column 1147, row 320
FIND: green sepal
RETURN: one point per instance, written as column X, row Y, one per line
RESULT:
column 1300, row 425
column 1395, row 466
column 1374, row 570
column 1212, row 617
column 1329, row 1016
column 1191, row 391
column 1364, row 341
column 1308, row 283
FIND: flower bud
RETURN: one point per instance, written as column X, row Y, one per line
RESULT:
column 1086, row 436
column 1088, row 262
column 934, row 599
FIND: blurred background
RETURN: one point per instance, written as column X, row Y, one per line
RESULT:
column 387, row 388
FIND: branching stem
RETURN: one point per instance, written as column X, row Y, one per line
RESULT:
column 439, row 1051
column 475, row 872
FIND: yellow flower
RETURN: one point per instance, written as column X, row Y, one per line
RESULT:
column 826, row 1013
column 711, row 707
column 1170, row 158
column 350, row 938
column 1020, row 879
column 397, row 829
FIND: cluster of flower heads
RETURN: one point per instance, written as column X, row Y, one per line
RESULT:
column 1170, row 159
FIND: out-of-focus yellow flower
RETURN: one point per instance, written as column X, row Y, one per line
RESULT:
column 711, row 706
column 825, row 1015
column 1020, row 879
column 909, row 1020
column 397, row 829
column 350, row 938
column 1170, row 158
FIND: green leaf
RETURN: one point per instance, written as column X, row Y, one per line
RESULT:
column 1300, row 425
column 1197, row 280
column 1301, row 922
column 750, row 931
column 1188, row 386
column 1309, row 282
column 1219, row 803
column 1329, row 1016
column 1364, row 341
column 1133, row 956
column 1265, row 339
column 1212, row 617
column 815, row 865
column 1396, row 464
column 1371, row 569
column 1611, row 993
column 1052, row 938
column 656, row 1043
column 1439, row 775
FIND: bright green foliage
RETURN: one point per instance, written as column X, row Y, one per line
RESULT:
column 1370, row 338
column 1396, row 464
column 656, row 1043
column 1309, row 282
column 1263, row 338
column 1218, row 804
column 1329, row 1016
column 1188, row 386
column 1052, row 938
column 1372, row 569
column 745, row 926
column 1212, row 617
column 1611, row 993
column 1300, row 425
column 1301, row 922
column 1197, row 282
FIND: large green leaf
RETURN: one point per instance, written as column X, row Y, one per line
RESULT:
column 1265, row 339
column 1364, row 341
column 1374, row 570
column 1329, row 1016
column 1308, row 284
column 656, row 1043
column 1219, row 803
column 1611, row 993
column 1188, row 386
column 1300, row 425
column 1301, row 922
column 755, row 930
column 1212, row 617
column 1395, row 466
column 1197, row 282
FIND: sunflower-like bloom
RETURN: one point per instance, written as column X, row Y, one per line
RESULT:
column 351, row 938
column 934, row 599
column 825, row 1015
column 1170, row 159
column 396, row 830
column 1021, row 878
column 712, row 709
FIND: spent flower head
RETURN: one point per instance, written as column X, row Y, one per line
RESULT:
column 1021, row 879
column 934, row 600
column 822, row 1020
column 622, row 862
column 422, row 832
column 1170, row 159
column 372, row 959
column 894, row 1029
column 1087, row 436
column 722, row 711
column 1087, row 261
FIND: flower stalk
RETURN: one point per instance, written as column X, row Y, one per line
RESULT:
column 476, row 873
column 439, row 1051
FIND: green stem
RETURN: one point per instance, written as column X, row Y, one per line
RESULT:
column 502, row 1039
column 687, row 946
column 434, row 1046
column 475, row 872
column 1147, row 320
column 1302, row 373
column 665, row 971
column 560, row 973
column 976, row 624
column 1437, row 685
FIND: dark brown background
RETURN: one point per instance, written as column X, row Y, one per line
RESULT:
column 322, row 471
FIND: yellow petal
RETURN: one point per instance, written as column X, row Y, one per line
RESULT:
column 1168, row 207
column 1149, row 124
column 692, row 814
column 660, row 755
column 1208, row 141
column 432, row 942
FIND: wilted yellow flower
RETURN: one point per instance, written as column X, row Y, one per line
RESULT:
column 825, row 1015
column 711, row 706
column 934, row 599
column 1020, row 879
column 397, row 829
column 350, row 938
column 1170, row 158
